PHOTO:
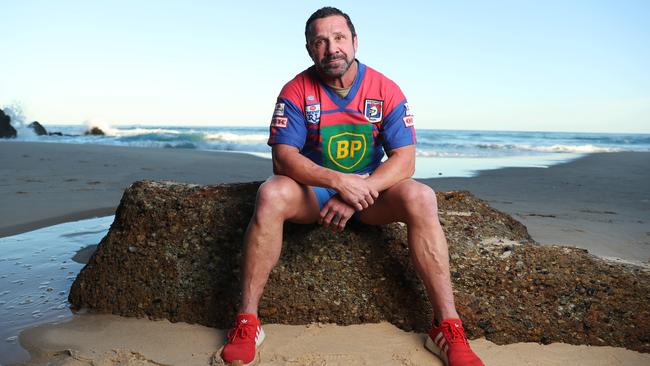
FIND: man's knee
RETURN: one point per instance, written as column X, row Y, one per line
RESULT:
column 276, row 195
column 420, row 200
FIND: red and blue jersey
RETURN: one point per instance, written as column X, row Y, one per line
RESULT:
column 345, row 134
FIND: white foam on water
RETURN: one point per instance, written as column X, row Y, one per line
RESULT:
column 104, row 126
column 145, row 131
column 231, row 137
column 554, row 148
column 435, row 154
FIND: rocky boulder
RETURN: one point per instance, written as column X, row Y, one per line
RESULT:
column 96, row 131
column 6, row 129
column 38, row 128
column 174, row 252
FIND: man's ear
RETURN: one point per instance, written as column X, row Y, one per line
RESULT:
column 355, row 43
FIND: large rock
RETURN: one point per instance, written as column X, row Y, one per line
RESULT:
column 174, row 252
column 38, row 128
column 6, row 129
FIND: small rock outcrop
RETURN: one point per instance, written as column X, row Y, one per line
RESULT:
column 96, row 131
column 38, row 128
column 6, row 129
column 174, row 251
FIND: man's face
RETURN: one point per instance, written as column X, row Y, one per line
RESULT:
column 331, row 45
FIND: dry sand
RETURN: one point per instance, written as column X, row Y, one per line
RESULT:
column 107, row 340
column 601, row 202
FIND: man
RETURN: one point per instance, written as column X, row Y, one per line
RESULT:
column 329, row 130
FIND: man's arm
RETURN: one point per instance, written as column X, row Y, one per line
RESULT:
column 353, row 189
column 400, row 165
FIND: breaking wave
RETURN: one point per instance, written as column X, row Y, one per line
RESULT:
column 431, row 143
column 583, row 149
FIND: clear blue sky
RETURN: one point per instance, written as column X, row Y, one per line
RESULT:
column 499, row 65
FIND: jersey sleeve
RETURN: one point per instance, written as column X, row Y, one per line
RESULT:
column 398, row 128
column 288, row 124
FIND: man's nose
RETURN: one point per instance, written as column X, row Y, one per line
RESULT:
column 331, row 47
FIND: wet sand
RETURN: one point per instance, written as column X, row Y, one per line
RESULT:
column 600, row 202
column 44, row 184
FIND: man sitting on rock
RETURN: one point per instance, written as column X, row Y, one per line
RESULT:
column 329, row 130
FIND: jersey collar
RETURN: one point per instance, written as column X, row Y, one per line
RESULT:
column 343, row 102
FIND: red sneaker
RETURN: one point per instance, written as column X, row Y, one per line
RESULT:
column 243, row 341
column 448, row 342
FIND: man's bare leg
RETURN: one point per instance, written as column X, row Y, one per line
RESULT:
column 415, row 204
column 280, row 198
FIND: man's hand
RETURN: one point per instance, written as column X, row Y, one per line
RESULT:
column 335, row 214
column 356, row 191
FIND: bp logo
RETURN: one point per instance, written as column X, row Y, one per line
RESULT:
column 348, row 147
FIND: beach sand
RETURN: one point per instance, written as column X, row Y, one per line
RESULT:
column 600, row 202
column 109, row 340
column 44, row 184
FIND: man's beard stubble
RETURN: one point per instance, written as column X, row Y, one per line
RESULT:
column 335, row 71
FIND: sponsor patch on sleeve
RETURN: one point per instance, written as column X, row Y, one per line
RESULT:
column 408, row 121
column 279, row 110
column 409, row 111
column 280, row 122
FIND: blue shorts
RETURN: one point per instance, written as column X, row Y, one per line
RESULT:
column 324, row 194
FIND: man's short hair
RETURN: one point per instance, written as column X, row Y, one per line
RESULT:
column 325, row 12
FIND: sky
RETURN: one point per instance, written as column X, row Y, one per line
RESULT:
column 581, row 66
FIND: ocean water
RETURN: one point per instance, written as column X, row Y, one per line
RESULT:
column 440, row 153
